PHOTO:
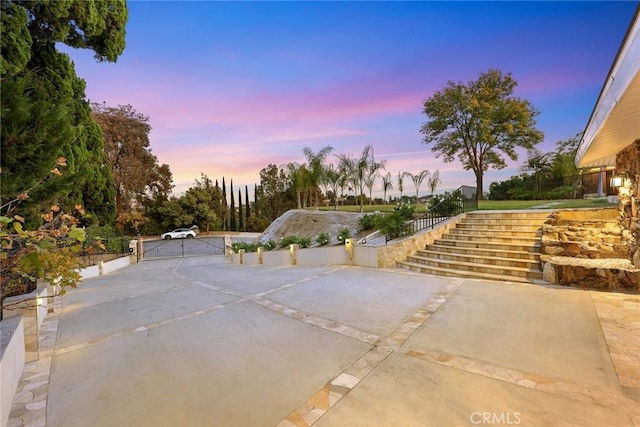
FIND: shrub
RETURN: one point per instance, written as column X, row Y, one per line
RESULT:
column 304, row 242
column 444, row 205
column 368, row 221
column 566, row 192
column 392, row 223
column 343, row 235
column 323, row 239
column 269, row 245
column 252, row 246
column 405, row 210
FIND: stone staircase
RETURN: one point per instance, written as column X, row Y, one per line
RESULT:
column 494, row 245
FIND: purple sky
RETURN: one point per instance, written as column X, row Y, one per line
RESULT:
column 233, row 86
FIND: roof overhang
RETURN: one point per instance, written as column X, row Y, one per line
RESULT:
column 615, row 121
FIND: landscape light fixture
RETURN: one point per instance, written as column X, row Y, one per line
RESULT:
column 616, row 181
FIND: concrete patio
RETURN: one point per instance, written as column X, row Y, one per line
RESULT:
column 200, row 342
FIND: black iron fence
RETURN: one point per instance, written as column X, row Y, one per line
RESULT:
column 591, row 184
column 464, row 199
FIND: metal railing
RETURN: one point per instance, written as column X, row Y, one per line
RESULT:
column 459, row 201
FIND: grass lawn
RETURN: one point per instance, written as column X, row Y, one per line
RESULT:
column 554, row 204
column 494, row 205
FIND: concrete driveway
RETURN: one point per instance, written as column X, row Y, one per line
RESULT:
column 200, row 342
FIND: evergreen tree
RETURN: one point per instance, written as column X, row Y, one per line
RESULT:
column 247, row 211
column 255, row 200
column 225, row 218
column 44, row 112
column 240, row 218
column 232, row 211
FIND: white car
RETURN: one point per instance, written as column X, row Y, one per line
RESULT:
column 180, row 233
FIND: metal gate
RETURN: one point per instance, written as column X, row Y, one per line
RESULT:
column 180, row 248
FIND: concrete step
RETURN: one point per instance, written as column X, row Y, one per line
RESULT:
column 539, row 215
column 516, row 233
column 491, row 238
column 497, row 220
column 510, row 246
column 531, row 227
column 438, row 271
column 509, row 251
column 428, row 256
column 502, row 270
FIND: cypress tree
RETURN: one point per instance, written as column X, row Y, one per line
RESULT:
column 247, row 211
column 255, row 200
column 225, row 218
column 232, row 211
column 240, row 222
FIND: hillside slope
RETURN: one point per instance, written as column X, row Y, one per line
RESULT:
column 310, row 223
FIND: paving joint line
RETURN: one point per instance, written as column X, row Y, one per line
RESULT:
column 145, row 328
column 535, row 382
column 319, row 404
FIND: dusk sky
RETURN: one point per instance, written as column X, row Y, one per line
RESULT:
column 231, row 87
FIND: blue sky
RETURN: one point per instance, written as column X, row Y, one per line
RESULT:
column 231, row 87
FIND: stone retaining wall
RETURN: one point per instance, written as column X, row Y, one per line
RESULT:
column 628, row 166
column 584, row 233
column 398, row 250
column 586, row 248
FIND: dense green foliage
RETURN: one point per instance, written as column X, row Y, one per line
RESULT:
column 44, row 113
column 323, row 239
column 304, row 242
column 253, row 246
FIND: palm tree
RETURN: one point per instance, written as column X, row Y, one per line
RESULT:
column 417, row 179
column 401, row 182
column 538, row 162
column 333, row 179
column 356, row 171
column 433, row 181
column 298, row 175
column 386, row 185
column 372, row 172
column 316, row 165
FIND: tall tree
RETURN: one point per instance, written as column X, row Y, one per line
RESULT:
column 276, row 196
column 44, row 112
column 299, row 178
column 539, row 163
column 372, row 172
column 356, row 170
column 563, row 164
column 315, row 168
column 401, row 183
column 256, row 207
column 332, row 177
column 417, row 179
column 232, row 211
column 479, row 121
column 126, row 142
column 247, row 211
column 434, row 181
column 225, row 219
column 240, row 216
column 386, row 185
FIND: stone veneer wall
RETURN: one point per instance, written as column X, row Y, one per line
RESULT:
column 628, row 165
column 584, row 233
column 399, row 250
column 585, row 248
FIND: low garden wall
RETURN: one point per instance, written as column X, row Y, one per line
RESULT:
column 22, row 317
column 11, row 362
column 383, row 256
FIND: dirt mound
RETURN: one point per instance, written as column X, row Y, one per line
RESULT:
column 306, row 223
